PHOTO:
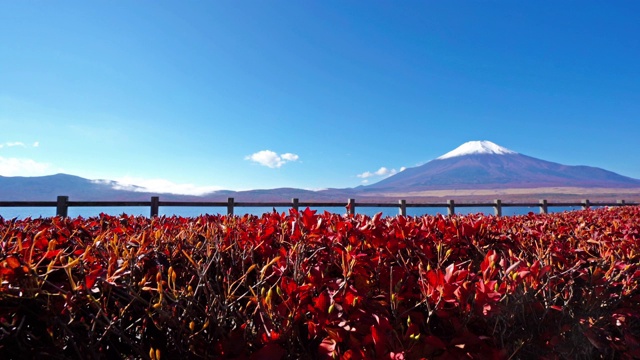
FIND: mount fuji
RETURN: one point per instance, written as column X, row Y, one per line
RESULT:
column 486, row 165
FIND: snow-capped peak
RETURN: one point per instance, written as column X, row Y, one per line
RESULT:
column 477, row 147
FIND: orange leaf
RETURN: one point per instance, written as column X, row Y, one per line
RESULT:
column 13, row 263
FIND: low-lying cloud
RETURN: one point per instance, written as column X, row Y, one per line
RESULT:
column 23, row 167
column 161, row 186
column 17, row 166
column 383, row 172
column 271, row 159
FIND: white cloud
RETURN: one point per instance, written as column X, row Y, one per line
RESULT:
column 158, row 186
column 23, row 167
column 271, row 159
column 289, row 157
column 17, row 144
column 366, row 174
column 382, row 172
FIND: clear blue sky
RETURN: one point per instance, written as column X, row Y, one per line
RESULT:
column 262, row 94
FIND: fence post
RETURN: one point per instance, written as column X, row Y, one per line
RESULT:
column 230, row 202
column 155, row 205
column 62, row 206
column 498, row 207
column 585, row 204
column 544, row 206
column 294, row 204
column 451, row 207
column 351, row 206
column 403, row 207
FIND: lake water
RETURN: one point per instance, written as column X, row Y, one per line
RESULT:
column 185, row 211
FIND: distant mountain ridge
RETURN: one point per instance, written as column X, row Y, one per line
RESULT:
column 47, row 188
column 473, row 165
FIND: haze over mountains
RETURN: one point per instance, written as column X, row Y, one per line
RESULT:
column 474, row 166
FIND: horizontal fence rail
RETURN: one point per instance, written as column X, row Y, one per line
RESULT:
column 62, row 205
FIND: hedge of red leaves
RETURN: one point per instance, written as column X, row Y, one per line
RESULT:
column 307, row 285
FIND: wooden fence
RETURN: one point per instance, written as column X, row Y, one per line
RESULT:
column 63, row 203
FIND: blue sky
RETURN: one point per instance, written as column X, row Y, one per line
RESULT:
column 191, row 96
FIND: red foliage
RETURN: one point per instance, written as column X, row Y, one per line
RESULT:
column 303, row 284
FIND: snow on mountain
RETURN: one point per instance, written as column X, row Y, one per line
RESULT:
column 477, row 147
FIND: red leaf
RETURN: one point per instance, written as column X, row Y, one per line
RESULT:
column 449, row 273
column 309, row 218
column 90, row 280
column 376, row 218
column 323, row 302
column 312, row 328
column 268, row 232
column 6, row 272
column 435, row 278
column 380, row 339
column 327, row 348
column 288, row 285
